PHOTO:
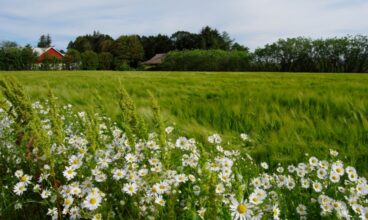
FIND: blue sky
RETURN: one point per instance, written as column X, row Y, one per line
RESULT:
column 250, row 22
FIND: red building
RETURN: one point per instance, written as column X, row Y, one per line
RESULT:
column 47, row 52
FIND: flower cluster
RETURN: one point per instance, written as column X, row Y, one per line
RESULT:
column 96, row 171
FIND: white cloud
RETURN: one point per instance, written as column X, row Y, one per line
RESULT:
column 251, row 22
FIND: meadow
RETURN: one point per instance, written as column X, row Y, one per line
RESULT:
column 206, row 146
column 286, row 114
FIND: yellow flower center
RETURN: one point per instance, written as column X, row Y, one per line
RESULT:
column 23, row 178
column 162, row 187
column 93, row 201
column 75, row 161
column 70, row 171
column 67, row 202
column 81, row 150
column 242, row 208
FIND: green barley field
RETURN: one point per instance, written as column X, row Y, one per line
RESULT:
column 287, row 115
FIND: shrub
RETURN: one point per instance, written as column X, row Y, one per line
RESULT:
column 89, row 60
column 207, row 60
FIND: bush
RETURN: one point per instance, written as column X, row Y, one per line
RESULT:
column 124, row 67
column 207, row 60
column 89, row 60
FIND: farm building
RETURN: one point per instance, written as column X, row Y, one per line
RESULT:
column 53, row 56
column 50, row 52
column 156, row 60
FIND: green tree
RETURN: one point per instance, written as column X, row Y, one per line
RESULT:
column 28, row 57
column 239, row 47
column 8, row 44
column 44, row 41
column 105, row 61
column 156, row 44
column 212, row 39
column 128, row 49
column 184, row 40
column 89, row 60
column 72, row 59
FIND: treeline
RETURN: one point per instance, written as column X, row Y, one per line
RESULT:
column 207, row 60
column 208, row 50
column 345, row 54
column 127, row 52
column 13, row 57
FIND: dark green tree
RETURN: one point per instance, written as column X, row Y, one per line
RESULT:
column 44, row 41
column 128, row 49
column 28, row 57
column 156, row 44
column 89, row 60
column 72, row 60
column 105, row 61
column 184, row 40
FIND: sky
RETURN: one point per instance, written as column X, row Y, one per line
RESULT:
column 252, row 23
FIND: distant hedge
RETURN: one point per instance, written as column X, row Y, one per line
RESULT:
column 207, row 60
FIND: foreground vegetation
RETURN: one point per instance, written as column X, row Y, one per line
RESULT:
column 286, row 115
column 63, row 163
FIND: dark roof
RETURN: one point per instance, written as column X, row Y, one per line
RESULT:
column 155, row 60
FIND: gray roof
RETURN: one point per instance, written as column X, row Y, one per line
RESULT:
column 155, row 60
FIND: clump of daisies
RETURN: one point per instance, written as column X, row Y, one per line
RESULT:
column 94, row 169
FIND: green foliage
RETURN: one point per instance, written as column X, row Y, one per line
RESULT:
column 94, row 157
column 287, row 115
column 72, row 60
column 157, row 120
column 96, row 42
column 132, row 122
column 89, row 60
column 128, row 49
column 345, row 54
column 105, row 61
column 207, row 60
column 50, row 63
column 184, row 40
column 28, row 127
column 45, row 41
column 212, row 39
column 153, row 45
column 14, row 58
column 56, row 121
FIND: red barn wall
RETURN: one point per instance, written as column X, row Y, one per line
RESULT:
column 50, row 53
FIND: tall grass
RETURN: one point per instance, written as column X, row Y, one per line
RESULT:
column 287, row 115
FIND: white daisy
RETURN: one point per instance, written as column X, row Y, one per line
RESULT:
column 75, row 162
column 130, row 188
column 68, row 201
column 301, row 209
column 220, row 188
column 45, row 194
column 53, row 213
column 19, row 188
column 69, row 173
column 118, row 174
column 240, row 210
column 159, row 200
column 92, row 201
